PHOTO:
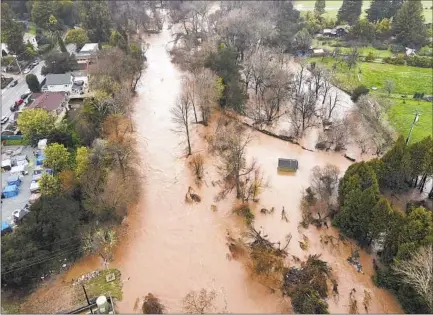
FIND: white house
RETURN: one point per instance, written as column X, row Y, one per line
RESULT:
column 58, row 83
column 27, row 38
column 30, row 38
column 87, row 53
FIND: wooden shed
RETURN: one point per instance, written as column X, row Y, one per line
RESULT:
column 287, row 165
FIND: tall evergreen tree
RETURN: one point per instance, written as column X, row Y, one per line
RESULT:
column 396, row 166
column 319, row 7
column 394, row 7
column 350, row 11
column 408, row 25
column 358, row 196
column 378, row 10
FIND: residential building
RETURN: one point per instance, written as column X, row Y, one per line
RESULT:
column 30, row 38
column 27, row 38
column 58, row 83
column 53, row 102
column 87, row 54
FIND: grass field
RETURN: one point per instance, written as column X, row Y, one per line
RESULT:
column 402, row 114
column 333, row 6
column 407, row 80
column 363, row 51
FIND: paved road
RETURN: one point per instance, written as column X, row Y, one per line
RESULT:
column 11, row 94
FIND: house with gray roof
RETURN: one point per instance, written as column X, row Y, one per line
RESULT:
column 58, row 83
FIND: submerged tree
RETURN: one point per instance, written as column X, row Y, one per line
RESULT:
column 230, row 144
column 418, row 272
column 152, row 305
column 199, row 302
column 181, row 116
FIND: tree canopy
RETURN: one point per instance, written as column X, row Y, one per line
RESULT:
column 35, row 124
column 77, row 37
column 350, row 11
column 96, row 19
column 56, row 157
column 59, row 62
column 408, row 25
column 33, row 83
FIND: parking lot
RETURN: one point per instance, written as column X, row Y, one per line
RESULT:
column 17, row 202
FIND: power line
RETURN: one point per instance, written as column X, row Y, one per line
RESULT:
column 36, row 263
column 35, row 259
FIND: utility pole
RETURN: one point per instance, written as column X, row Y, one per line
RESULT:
column 87, row 298
column 411, row 128
column 18, row 64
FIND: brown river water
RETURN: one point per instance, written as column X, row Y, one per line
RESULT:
column 172, row 247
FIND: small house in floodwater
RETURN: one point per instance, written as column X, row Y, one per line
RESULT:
column 287, row 165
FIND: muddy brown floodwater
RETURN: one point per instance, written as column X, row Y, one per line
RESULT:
column 172, row 247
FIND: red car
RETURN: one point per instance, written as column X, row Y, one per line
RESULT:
column 19, row 102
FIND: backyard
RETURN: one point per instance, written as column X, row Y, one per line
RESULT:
column 407, row 81
column 333, row 6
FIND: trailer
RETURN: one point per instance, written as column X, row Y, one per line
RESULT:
column 287, row 165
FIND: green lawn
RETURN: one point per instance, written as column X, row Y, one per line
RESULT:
column 401, row 116
column 363, row 51
column 99, row 286
column 333, row 6
column 407, row 80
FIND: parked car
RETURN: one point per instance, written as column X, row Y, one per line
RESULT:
column 25, row 95
column 14, row 107
column 26, row 70
column 35, row 63
column 14, row 83
column 4, row 119
column 19, row 102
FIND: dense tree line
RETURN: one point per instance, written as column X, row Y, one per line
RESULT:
column 93, row 159
column 367, row 216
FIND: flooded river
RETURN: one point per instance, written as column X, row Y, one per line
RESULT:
column 172, row 247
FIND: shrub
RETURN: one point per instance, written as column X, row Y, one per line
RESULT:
column 307, row 301
column 380, row 45
column 399, row 60
column 152, row 305
column 245, row 212
column 370, row 57
column 419, row 61
column 196, row 165
column 357, row 92
column 426, row 51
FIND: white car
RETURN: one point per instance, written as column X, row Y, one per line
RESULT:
column 5, row 119
column 26, row 70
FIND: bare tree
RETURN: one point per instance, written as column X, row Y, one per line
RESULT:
column 339, row 133
column 189, row 87
column 333, row 102
column 371, row 115
column 181, row 115
column 389, row 86
column 196, row 165
column 318, row 78
column 327, row 85
column 101, row 241
column 352, row 57
column 209, row 90
column 230, row 144
column 324, row 182
column 199, row 302
column 303, row 111
column 418, row 272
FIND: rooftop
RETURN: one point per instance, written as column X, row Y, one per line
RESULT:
column 49, row 101
column 58, row 79
column 90, row 47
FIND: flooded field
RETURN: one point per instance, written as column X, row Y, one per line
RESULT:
column 172, row 247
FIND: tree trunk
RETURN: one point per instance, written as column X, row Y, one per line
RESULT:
column 195, row 113
column 238, row 186
column 187, row 138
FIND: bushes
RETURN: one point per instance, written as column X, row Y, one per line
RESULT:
column 360, row 90
column 245, row 212
column 370, row 57
column 394, row 60
column 308, row 301
column 419, row 61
